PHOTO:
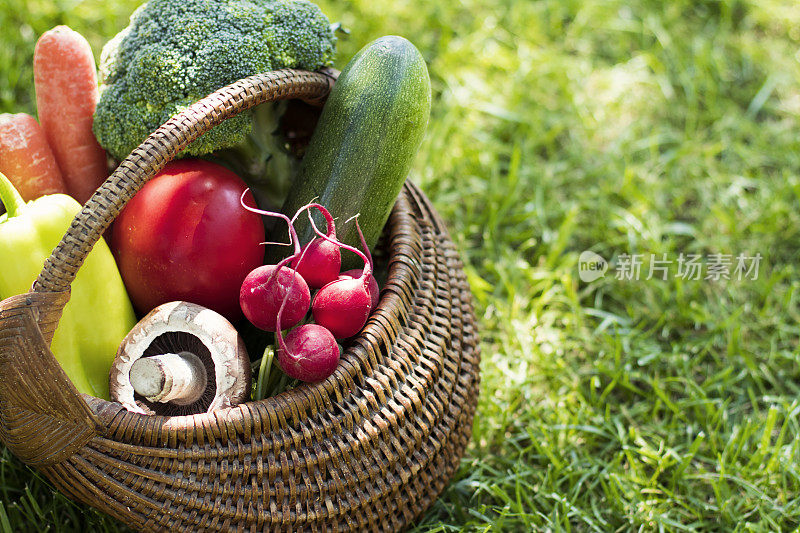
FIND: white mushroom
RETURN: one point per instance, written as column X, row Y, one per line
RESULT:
column 180, row 359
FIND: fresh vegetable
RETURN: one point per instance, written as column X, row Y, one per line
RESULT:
column 321, row 263
column 65, row 78
column 366, row 139
column 183, row 359
column 174, row 53
column 26, row 158
column 343, row 306
column 98, row 314
column 372, row 286
column 185, row 236
column 265, row 288
column 309, row 353
column 321, row 260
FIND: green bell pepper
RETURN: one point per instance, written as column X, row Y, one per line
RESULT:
column 99, row 313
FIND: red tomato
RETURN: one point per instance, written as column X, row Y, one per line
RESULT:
column 185, row 236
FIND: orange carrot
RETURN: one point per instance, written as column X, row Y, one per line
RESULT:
column 65, row 78
column 26, row 158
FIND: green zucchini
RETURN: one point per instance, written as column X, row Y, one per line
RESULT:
column 363, row 146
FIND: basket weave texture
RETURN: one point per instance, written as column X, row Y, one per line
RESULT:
column 369, row 448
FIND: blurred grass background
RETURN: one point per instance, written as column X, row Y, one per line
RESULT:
column 621, row 127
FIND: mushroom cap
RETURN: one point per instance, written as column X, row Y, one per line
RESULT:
column 184, row 326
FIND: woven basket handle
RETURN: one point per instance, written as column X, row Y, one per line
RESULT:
column 157, row 150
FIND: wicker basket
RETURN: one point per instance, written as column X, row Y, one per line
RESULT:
column 371, row 447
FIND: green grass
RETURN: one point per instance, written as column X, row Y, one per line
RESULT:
column 621, row 127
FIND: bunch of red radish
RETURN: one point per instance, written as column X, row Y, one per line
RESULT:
column 278, row 297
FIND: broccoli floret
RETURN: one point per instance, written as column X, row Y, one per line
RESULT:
column 174, row 53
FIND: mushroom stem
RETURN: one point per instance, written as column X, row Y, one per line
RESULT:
column 179, row 378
